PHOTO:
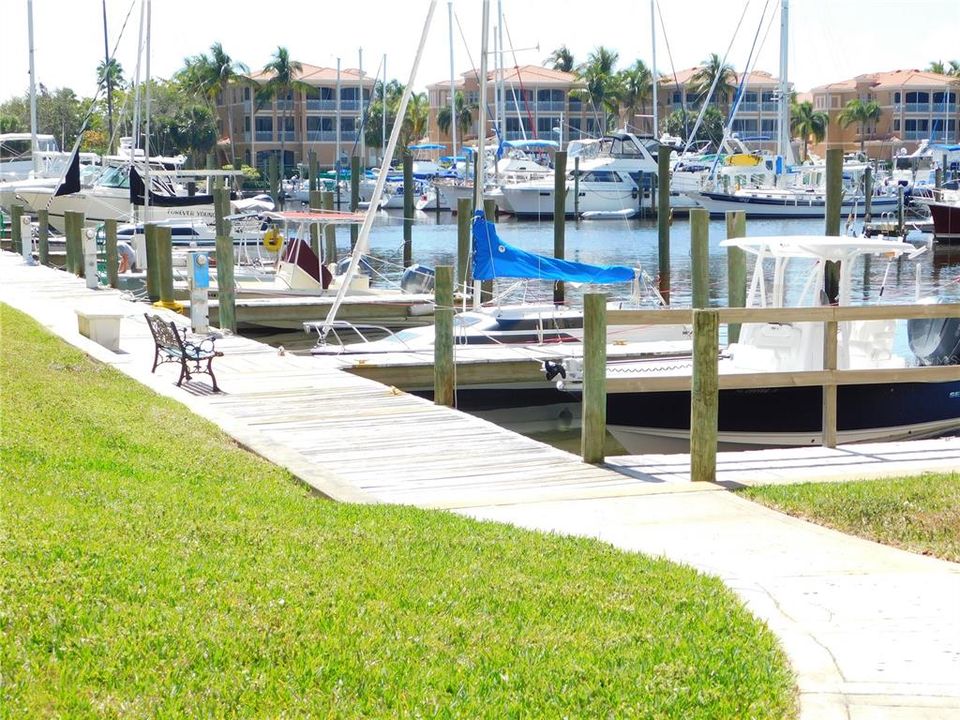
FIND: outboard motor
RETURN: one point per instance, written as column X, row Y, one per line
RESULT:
column 935, row 341
column 417, row 279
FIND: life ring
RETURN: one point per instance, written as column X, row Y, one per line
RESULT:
column 272, row 240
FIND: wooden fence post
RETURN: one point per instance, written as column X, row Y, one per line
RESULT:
column 829, row 427
column 559, row 216
column 704, row 396
column 443, row 378
column 594, row 419
column 43, row 241
column 736, row 270
column 663, row 221
column 700, row 256
column 464, row 218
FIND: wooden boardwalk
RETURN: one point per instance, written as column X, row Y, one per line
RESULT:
column 354, row 439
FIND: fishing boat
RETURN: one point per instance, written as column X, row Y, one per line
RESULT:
column 791, row 416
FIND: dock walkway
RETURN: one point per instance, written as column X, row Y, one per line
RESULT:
column 871, row 631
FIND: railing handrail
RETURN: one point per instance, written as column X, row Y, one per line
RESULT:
column 827, row 313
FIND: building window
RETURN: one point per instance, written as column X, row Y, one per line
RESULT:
column 768, row 126
column 264, row 124
column 896, row 98
column 918, row 97
column 246, row 123
column 896, row 125
column 574, row 125
column 942, row 97
column 834, row 101
column 545, row 126
column 676, row 98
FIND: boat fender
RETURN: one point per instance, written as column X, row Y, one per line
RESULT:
column 272, row 239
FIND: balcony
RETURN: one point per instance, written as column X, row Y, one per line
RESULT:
column 288, row 136
column 516, row 135
column 749, row 107
column 322, row 136
column 917, row 107
column 347, row 105
column 770, row 106
column 264, row 135
column 321, row 105
column 950, row 108
column 349, row 135
column 548, row 105
column 284, row 105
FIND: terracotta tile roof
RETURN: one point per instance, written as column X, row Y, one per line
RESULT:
column 316, row 75
column 532, row 75
column 888, row 80
column 754, row 79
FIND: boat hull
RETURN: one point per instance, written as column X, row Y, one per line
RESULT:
column 660, row 421
column 946, row 222
column 795, row 207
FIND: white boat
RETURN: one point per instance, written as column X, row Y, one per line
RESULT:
column 791, row 416
column 609, row 180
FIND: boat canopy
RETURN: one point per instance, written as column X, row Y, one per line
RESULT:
column 427, row 146
column 820, row 247
column 493, row 258
column 531, row 144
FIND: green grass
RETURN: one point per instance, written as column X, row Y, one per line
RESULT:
column 920, row 514
column 151, row 568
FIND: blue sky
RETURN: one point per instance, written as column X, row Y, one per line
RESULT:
column 829, row 39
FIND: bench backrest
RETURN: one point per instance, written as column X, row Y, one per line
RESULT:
column 165, row 334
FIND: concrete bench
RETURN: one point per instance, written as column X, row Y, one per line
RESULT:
column 101, row 326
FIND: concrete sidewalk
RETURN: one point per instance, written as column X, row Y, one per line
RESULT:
column 871, row 631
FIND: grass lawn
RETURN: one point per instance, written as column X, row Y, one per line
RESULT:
column 920, row 514
column 151, row 568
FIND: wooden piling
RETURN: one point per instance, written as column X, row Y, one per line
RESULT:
column 329, row 232
column 407, row 209
column 16, row 236
column 663, row 221
column 43, row 238
column 221, row 208
column 226, row 291
column 354, row 196
column 110, row 245
column 704, row 396
column 273, row 180
column 900, row 232
column 464, row 218
column 829, row 427
column 832, row 218
column 68, row 240
column 559, row 217
column 164, row 246
column 316, row 203
column 443, row 362
column 736, row 270
column 153, row 262
column 700, row 256
column 74, row 241
column 868, row 194
column 938, row 178
column 313, row 167
column 594, row 411
column 490, row 212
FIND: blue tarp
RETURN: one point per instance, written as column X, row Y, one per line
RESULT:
column 493, row 258
column 531, row 144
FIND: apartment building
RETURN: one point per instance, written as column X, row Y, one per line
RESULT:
column 304, row 121
column 540, row 103
column 915, row 105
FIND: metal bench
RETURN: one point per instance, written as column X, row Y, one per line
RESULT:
column 171, row 346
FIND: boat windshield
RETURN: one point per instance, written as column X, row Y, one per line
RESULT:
column 114, row 177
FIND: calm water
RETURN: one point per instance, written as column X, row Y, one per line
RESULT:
column 634, row 242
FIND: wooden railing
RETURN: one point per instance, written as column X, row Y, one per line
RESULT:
column 705, row 382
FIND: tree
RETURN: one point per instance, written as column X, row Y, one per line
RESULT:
column 561, row 59
column 702, row 80
column 193, row 131
column 936, row 66
column 807, row 122
column 597, row 73
column 417, row 118
column 9, row 124
column 464, row 116
column 281, row 85
column 858, row 111
column 711, row 127
column 635, row 88
column 109, row 77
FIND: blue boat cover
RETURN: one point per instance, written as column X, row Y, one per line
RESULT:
column 493, row 258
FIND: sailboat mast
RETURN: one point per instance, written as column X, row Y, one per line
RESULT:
column 383, row 110
column 653, row 69
column 482, row 126
column 783, row 137
column 108, row 76
column 34, row 145
column 501, row 81
column 453, row 86
column 146, row 135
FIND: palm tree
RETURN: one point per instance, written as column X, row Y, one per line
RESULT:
column 110, row 74
column 954, row 68
column 283, row 72
column 561, row 59
column 601, row 82
column 714, row 68
column 860, row 112
column 635, row 88
column 224, row 72
column 416, row 121
column 937, row 67
column 807, row 122
column 463, row 113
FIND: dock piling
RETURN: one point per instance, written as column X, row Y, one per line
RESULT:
column 663, row 221
column 736, row 270
column 829, row 427
column 43, row 238
column 594, row 409
column 329, row 232
column 559, row 217
column 221, row 208
column 226, row 292
column 110, row 252
column 443, row 362
column 704, row 396
column 407, row 209
column 16, row 239
column 273, row 180
column 165, row 267
column 316, row 203
column 354, row 196
column 832, row 219
column 153, row 263
column 900, row 232
column 868, row 194
column 576, row 187
column 700, row 256
column 464, row 217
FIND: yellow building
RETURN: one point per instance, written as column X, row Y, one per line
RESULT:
column 914, row 105
column 308, row 118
